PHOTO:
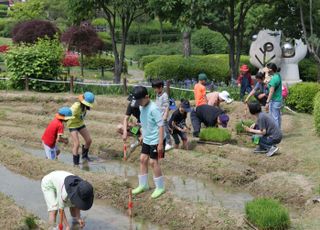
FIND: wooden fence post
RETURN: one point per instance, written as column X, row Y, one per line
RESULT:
column 26, row 83
column 125, row 87
column 71, row 84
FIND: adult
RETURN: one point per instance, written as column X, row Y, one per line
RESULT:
column 200, row 90
column 260, row 90
column 274, row 100
column 76, row 126
column 211, row 116
column 244, row 81
column 215, row 98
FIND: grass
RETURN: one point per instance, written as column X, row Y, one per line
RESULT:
column 267, row 214
column 240, row 129
column 31, row 221
column 215, row 134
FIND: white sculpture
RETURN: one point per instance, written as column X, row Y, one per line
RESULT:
column 267, row 47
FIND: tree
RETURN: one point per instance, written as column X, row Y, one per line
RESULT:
column 124, row 11
column 31, row 31
column 83, row 39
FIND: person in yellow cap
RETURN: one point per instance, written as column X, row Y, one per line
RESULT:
column 76, row 126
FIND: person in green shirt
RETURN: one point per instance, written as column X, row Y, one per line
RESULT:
column 76, row 126
column 274, row 100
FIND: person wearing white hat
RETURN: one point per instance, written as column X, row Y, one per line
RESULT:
column 215, row 98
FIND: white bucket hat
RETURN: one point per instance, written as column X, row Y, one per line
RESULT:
column 224, row 95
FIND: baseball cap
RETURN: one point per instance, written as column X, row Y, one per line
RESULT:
column 138, row 93
column 224, row 95
column 224, row 119
column 186, row 106
column 202, row 76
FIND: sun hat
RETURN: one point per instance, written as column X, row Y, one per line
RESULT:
column 202, row 76
column 224, row 95
column 186, row 106
column 87, row 99
column 224, row 119
column 244, row 68
column 80, row 192
column 64, row 113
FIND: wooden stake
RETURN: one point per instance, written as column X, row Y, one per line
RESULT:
column 124, row 151
column 130, row 204
column 61, row 219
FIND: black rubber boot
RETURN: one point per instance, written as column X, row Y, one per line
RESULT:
column 76, row 160
column 85, row 153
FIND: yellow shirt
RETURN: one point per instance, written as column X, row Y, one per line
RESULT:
column 78, row 114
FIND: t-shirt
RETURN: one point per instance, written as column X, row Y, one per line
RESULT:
column 200, row 94
column 78, row 114
column 276, row 82
column 135, row 111
column 54, row 183
column 162, row 101
column 213, row 98
column 208, row 114
column 261, row 88
column 178, row 118
column 265, row 121
column 52, row 131
column 151, row 120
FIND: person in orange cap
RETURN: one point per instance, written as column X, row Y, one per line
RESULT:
column 244, row 81
column 76, row 126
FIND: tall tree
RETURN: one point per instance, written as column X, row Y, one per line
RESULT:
column 124, row 11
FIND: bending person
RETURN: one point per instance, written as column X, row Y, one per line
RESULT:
column 260, row 90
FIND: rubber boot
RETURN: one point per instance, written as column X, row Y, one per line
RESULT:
column 143, row 185
column 159, row 182
column 76, row 160
column 85, row 153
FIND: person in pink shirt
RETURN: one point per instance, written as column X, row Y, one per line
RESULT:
column 215, row 98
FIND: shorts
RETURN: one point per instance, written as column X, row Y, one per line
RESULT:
column 51, row 153
column 49, row 194
column 76, row 129
column 152, row 150
column 176, row 135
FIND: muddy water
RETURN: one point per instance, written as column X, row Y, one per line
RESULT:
column 184, row 187
column 27, row 193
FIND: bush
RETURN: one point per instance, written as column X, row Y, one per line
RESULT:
column 308, row 69
column 267, row 214
column 216, row 66
column 210, row 42
column 215, row 134
column 6, row 26
column 240, row 129
column 146, row 60
column 41, row 60
column 98, row 62
column 316, row 113
column 301, row 96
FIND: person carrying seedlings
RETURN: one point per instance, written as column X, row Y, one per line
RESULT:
column 62, row 189
column 162, row 101
column 153, row 142
column 215, row 98
column 211, row 116
column 267, row 133
column 274, row 100
column 200, row 90
column 260, row 90
column 244, row 81
column 54, row 133
column 76, row 126
column 128, row 127
column 177, row 124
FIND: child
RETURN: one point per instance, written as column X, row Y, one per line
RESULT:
column 260, row 91
column 62, row 189
column 244, row 81
column 76, row 126
column 162, row 101
column 200, row 90
column 152, row 142
column 269, row 134
column 54, row 133
column 177, row 124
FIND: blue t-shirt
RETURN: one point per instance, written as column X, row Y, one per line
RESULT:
column 151, row 120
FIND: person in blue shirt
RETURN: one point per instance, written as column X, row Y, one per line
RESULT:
column 153, row 142
column 260, row 91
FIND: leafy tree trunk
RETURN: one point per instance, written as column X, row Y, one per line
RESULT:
column 233, row 71
column 161, row 30
column 187, row 44
column 239, row 35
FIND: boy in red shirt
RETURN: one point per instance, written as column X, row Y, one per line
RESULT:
column 54, row 133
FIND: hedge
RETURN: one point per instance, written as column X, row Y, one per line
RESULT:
column 98, row 62
column 176, row 67
column 147, row 59
column 301, row 96
column 308, row 70
column 209, row 41
column 316, row 112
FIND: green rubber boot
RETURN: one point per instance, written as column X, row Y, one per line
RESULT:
column 143, row 185
column 139, row 189
column 159, row 182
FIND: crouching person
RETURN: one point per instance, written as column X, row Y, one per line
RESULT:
column 62, row 189
column 267, row 132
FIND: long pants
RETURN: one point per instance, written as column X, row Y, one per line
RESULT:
column 167, row 132
column 244, row 89
column 195, row 121
column 275, row 111
column 267, row 142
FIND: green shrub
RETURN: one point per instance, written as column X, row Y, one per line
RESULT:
column 301, row 96
column 215, row 134
column 98, row 62
column 41, row 60
column 316, row 112
column 210, row 42
column 240, row 129
column 267, row 214
column 146, row 60
column 31, row 222
column 99, row 22
column 308, row 69
column 105, row 37
column 6, row 26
